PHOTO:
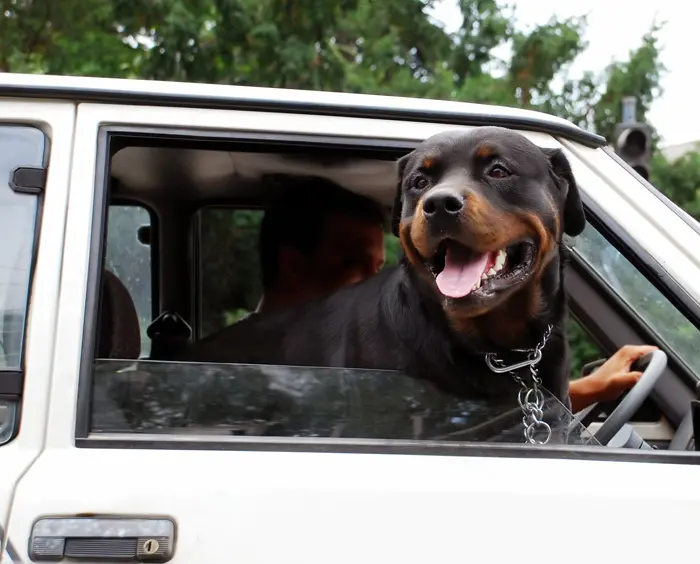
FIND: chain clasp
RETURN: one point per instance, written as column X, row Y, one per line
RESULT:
column 530, row 398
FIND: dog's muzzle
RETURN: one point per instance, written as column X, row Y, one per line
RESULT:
column 442, row 208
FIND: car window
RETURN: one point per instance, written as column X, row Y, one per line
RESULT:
column 321, row 405
column 285, row 401
column 228, row 283
column 643, row 297
column 19, row 146
column 303, row 402
column 129, row 258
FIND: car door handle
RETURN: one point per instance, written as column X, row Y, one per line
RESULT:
column 109, row 538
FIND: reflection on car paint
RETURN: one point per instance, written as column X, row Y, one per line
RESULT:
column 10, row 551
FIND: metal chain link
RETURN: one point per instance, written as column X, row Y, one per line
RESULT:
column 530, row 397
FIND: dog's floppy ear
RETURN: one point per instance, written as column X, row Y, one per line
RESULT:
column 560, row 168
column 398, row 197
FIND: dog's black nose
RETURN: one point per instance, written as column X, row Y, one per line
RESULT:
column 443, row 203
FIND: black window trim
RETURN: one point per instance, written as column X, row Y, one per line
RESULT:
column 84, row 438
column 389, row 447
column 12, row 380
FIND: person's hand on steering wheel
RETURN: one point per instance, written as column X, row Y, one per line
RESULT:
column 610, row 380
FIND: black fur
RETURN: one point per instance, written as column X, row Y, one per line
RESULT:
column 396, row 320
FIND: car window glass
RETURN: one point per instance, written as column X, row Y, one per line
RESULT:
column 643, row 297
column 19, row 146
column 228, row 285
column 284, row 401
column 229, row 266
column 130, row 260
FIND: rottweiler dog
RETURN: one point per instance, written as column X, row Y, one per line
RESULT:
column 480, row 215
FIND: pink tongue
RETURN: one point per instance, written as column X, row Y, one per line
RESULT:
column 459, row 275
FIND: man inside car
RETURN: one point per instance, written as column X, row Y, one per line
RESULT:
column 317, row 237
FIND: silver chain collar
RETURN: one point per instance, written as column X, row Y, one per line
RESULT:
column 530, row 397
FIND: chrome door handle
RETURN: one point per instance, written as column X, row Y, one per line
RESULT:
column 113, row 538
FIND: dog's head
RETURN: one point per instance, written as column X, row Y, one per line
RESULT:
column 480, row 215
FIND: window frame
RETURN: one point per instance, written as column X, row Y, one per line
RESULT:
column 12, row 380
column 84, row 439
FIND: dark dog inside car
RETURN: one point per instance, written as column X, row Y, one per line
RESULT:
column 480, row 215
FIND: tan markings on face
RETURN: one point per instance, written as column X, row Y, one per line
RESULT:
column 507, row 322
column 490, row 228
column 547, row 244
column 411, row 231
column 419, row 233
column 484, row 151
column 487, row 228
column 429, row 161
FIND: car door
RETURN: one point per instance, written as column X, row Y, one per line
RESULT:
column 106, row 488
column 34, row 137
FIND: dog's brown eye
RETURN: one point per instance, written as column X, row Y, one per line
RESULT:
column 498, row 172
column 420, row 183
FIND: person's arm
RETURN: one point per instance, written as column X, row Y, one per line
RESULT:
column 610, row 380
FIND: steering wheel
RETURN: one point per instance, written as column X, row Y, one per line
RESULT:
column 652, row 366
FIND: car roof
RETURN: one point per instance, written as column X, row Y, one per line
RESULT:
column 161, row 93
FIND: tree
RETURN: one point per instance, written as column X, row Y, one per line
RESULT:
column 389, row 47
column 679, row 180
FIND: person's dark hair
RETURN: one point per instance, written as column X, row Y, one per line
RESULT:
column 295, row 217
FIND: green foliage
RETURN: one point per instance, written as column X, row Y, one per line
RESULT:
column 583, row 350
column 390, row 47
column 640, row 77
column 679, row 180
column 538, row 56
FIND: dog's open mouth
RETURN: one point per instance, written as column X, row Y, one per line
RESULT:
column 459, row 271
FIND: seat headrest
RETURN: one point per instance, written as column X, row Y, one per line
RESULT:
column 119, row 332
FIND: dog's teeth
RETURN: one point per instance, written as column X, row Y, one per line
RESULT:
column 500, row 260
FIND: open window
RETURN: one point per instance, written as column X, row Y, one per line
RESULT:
column 208, row 195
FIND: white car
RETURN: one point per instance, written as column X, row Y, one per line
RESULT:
column 113, row 194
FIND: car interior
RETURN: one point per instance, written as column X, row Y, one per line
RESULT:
column 180, row 262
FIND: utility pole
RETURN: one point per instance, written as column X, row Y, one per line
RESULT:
column 632, row 139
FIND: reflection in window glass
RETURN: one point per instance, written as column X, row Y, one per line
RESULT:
column 648, row 302
column 229, row 266
column 130, row 261
column 284, row 401
column 19, row 146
